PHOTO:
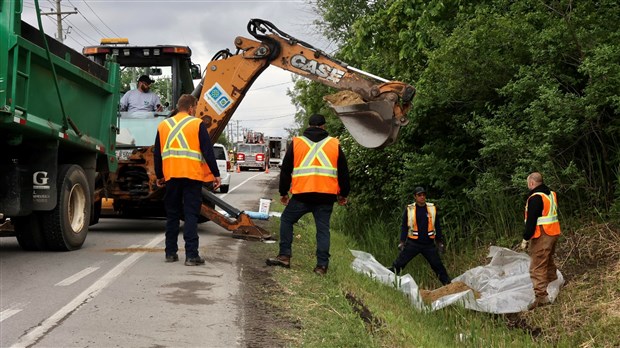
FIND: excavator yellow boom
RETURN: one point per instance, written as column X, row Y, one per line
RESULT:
column 372, row 108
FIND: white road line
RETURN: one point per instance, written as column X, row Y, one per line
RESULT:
column 236, row 187
column 79, row 275
column 7, row 313
column 35, row 334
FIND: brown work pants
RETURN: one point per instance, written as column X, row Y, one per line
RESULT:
column 542, row 267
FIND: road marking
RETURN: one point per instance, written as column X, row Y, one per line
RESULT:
column 236, row 187
column 31, row 337
column 7, row 313
column 79, row 275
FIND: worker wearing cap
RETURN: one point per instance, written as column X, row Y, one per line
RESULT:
column 184, row 161
column 542, row 230
column 421, row 234
column 141, row 98
column 314, row 170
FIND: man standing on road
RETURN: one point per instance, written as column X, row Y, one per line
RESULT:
column 542, row 230
column 421, row 234
column 141, row 98
column 315, row 170
column 184, row 161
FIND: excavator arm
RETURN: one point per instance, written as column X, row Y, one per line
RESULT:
column 373, row 111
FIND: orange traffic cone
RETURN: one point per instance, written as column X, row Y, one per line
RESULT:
column 238, row 169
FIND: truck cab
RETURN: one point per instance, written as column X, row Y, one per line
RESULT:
column 251, row 156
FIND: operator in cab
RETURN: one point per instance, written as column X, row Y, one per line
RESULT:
column 141, row 100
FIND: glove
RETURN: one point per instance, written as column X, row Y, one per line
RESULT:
column 524, row 244
column 401, row 246
column 441, row 247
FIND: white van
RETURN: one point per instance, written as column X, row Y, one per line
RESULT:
column 223, row 164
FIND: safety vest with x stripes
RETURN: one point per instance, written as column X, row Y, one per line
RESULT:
column 548, row 222
column 180, row 149
column 315, row 166
column 412, row 223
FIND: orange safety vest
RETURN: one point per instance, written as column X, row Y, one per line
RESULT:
column 315, row 166
column 180, row 149
column 431, row 212
column 549, row 218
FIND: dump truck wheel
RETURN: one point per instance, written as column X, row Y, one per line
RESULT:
column 28, row 232
column 67, row 225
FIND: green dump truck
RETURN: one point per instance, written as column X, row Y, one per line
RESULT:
column 58, row 125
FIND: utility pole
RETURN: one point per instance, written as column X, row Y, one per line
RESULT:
column 237, row 130
column 59, row 17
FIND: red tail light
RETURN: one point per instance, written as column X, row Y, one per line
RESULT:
column 240, row 157
column 260, row 157
column 228, row 167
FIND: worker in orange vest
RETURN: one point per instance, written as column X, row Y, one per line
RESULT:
column 542, row 230
column 421, row 234
column 184, row 162
column 315, row 171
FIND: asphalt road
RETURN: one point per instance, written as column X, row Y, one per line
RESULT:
column 117, row 291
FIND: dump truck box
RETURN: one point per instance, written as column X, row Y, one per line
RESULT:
column 58, row 121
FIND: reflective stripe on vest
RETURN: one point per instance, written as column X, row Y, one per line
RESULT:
column 315, row 166
column 549, row 221
column 180, row 149
column 176, row 133
column 431, row 212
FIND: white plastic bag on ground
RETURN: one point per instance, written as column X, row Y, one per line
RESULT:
column 504, row 284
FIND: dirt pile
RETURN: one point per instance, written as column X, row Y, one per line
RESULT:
column 429, row 296
column 344, row 98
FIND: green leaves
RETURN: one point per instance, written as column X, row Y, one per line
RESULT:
column 504, row 88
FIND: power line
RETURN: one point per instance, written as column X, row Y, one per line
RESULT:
column 267, row 118
column 59, row 18
column 90, row 23
column 96, row 15
column 78, row 31
column 277, row 84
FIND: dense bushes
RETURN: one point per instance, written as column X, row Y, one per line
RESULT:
column 504, row 88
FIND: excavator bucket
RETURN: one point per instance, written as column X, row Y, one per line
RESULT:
column 371, row 124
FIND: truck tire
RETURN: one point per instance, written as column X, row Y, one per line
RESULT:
column 67, row 225
column 28, row 232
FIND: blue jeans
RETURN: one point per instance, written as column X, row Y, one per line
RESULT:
column 183, row 198
column 292, row 213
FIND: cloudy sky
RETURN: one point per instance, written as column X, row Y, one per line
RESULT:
column 206, row 26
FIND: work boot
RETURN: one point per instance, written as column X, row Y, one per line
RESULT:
column 538, row 302
column 194, row 261
column 172, row 258
column 320, row 270
column 280, row 260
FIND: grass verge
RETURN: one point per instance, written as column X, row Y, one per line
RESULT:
column 347, row 309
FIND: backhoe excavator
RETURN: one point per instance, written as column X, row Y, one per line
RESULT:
column 374, row 121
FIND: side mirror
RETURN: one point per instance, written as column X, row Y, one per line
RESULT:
column 196, row 71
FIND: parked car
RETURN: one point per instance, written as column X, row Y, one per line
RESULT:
column 223, row 164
